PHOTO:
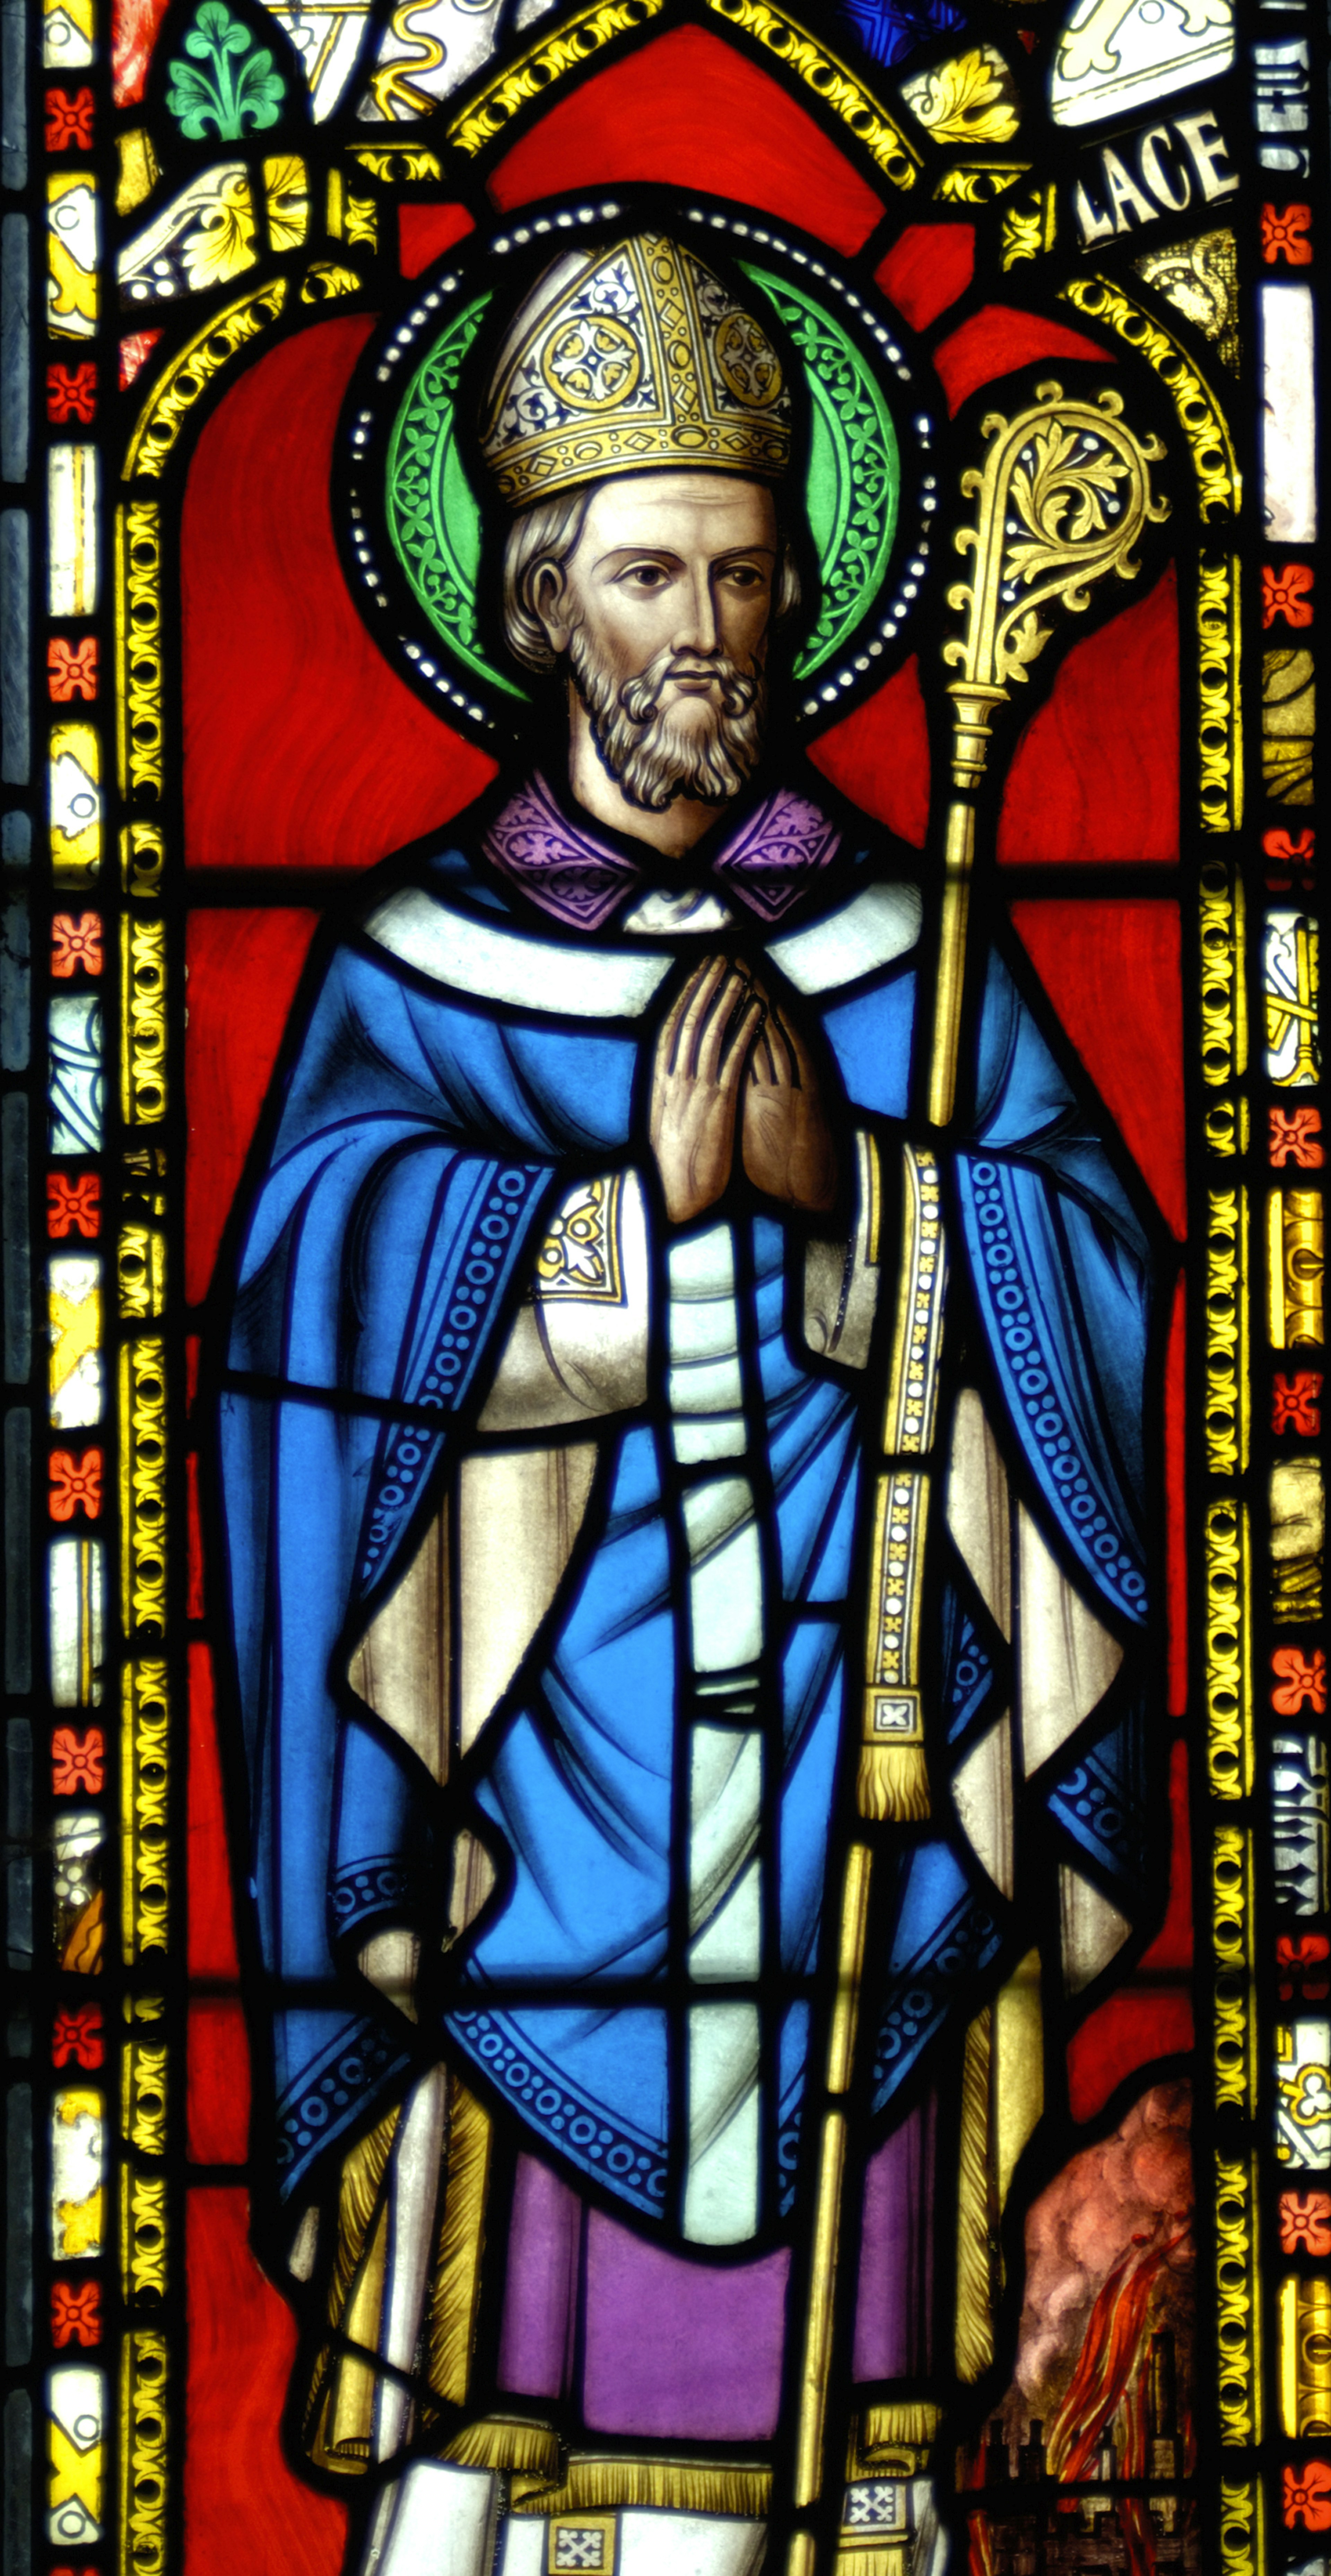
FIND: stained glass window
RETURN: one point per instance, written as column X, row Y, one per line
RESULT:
column 667, row 1795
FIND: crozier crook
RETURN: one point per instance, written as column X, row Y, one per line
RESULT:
column 1063, row 497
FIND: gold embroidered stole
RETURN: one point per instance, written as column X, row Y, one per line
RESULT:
column 893, row 1779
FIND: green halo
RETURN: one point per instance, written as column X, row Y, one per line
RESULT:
column 433, row 519
column 852, row 484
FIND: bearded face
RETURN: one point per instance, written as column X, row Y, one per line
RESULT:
column 690, row 724
column 663, row 608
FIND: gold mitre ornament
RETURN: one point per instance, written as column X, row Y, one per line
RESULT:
column 624, row 360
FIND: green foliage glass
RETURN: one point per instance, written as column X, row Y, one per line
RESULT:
column 231, row 84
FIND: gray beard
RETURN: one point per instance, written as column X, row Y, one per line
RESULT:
column 649, row 752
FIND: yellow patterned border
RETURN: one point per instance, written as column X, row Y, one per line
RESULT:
column 143, row 2095
column 790, row 44
column 1029, row 230
column 393, row 165
column 1232, row 1934
column 977, row 183
column 143, row 1021
column 1220, row 732
column 143, row 2438
column 576, row 42
column 143, row 2232
column 139, row 648
column 141, row 1272
column 145, row 1855
column 1239, row 2389
column 1219, row 486
column 1223, row 995
column 1228, row 1652
column 143, row 1485
column 163, row 416
column 142, row 858
column 1241, row 2552
column 783, row 37
column 1228, row 1394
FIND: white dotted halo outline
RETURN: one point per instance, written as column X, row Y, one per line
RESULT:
column 370, row 427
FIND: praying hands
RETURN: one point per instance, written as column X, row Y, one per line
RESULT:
column 730, row 1064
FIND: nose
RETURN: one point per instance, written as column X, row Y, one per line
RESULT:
column 697, row 632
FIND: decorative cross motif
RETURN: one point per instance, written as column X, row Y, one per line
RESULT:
column 1305, row 2222
column 77, row 2036
column 76, row 2313
column 71, row 669
column 1294, row 1405
column 71, row 392
column 875, row 2504
column 69, row 120
column 1285, row 232
column 73, row 1205
column 1300, row 1677
column 76, row 943
column 577, row 2546
column 78, row 1761
column 76, row 1482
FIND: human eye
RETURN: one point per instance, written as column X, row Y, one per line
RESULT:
column 745, row 576
column 646, row 576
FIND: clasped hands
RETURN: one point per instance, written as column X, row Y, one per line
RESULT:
column 731, row 1068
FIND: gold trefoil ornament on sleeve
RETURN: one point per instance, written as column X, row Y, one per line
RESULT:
column 1063, row 497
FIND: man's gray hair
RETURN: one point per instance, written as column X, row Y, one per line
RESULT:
column 541, row 540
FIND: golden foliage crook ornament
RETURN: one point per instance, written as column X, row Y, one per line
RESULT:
column 1064, row 495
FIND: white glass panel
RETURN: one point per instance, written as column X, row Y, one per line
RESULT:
column 1116, row 55
column 725, row 1805
column 72, row 501
column 721, row 2191
column 725, row 1583
column 1280, row 81
column 1289, row 416
column 77, row 1579
column 327, row 41
column 77, row 2174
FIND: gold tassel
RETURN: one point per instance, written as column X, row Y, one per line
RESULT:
column 903, row 2424
column 339, row 2406
column 594, row 2485
column 530, row 2451
column 893, row 1784
column 455, row 2287
column 545, row 2483
column 974, row 2329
